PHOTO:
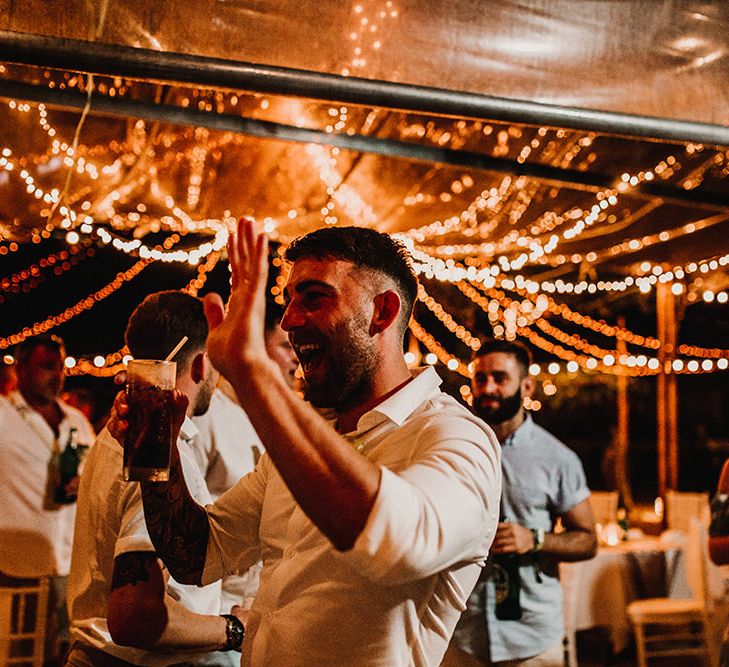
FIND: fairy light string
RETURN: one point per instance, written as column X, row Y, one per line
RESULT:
column 505, row 204
column 114, row 362
column 72, row 311
column 30, row 277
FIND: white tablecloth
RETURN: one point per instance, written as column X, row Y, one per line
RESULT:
column 598, row 591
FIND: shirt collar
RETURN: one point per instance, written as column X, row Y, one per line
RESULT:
column 521, row 433
column 21, row 405
column 188, row 431
column 398, row 407
column 18, row 401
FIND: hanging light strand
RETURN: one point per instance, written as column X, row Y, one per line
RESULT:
column 432, row 345
column 85, row 304
column 31, row 276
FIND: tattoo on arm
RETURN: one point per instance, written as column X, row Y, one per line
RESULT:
column 177, row 525
column 131, row 568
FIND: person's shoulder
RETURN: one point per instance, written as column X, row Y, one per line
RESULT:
column 105, row 448
column 447, row 406
column 444, row 413
column 9, row 406
column 550, row 441
column 77, row 418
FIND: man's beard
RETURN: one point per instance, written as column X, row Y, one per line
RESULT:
column 205, row 395
column 351, row 361
column 507, row 407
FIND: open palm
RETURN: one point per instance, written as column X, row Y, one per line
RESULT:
column 237, row 333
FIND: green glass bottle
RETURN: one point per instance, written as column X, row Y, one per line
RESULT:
column 507, row 585
column 622, row 517
column 68, row 462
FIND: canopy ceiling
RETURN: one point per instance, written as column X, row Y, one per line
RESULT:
column 535, row 142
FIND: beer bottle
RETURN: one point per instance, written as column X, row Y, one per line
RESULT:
column 507, row 586
column 622, row 517
column 68, row 468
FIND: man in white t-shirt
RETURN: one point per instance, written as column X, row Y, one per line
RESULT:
column 124, row 608
column 36, row 524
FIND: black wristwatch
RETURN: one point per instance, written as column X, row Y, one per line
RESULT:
column 234, row 633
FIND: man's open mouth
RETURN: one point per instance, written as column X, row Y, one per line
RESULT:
column 309, row 354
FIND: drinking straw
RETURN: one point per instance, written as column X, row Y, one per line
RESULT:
column 176, row 349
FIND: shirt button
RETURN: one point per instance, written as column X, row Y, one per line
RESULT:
column 290, row 552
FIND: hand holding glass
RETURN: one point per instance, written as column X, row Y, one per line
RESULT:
column 148, row 440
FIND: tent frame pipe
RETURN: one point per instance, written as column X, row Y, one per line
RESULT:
column 170, row 67
column 127, row 108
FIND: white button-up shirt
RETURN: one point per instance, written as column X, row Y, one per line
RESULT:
column 35, row 533
column 394, row 598
column 110, row 522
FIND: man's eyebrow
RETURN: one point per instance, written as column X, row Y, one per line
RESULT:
column 305, row 285
column 309, row 284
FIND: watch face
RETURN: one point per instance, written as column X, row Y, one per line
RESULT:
column 234, row 632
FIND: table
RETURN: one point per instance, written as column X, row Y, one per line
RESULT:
column 597, row 591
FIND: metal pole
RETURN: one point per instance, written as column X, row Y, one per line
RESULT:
column 146, row 64
column 584, row 180
column 622, row 434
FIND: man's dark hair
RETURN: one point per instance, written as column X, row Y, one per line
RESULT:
column 161, row 320
column 518, row 350
column 366, row 249
column 25, row 348
column 274, row 315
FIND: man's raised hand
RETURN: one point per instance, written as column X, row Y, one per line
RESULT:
column 237, row 336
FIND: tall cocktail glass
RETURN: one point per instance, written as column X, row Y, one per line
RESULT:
column 149, row 435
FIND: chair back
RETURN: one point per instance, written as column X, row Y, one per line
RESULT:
column 570, row 577
column 682, row 506
column 23, row 613
column 604, row 506
column 697, row 561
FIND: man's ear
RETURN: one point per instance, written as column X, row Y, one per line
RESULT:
column 528, row 385
column 198, row 366
column 387, row 309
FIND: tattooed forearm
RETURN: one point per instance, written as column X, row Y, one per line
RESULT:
column 131, row 568
column 177, row 525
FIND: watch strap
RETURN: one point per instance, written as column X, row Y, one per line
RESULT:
column 234, row 633
column 538, row 535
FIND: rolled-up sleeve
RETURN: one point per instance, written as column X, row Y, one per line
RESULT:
column 441, row 509
column 234, row 520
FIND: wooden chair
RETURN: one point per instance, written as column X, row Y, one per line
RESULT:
column 666, row 627
column 570, row 577
column 682, row 506
column 604, row 506
column 23, row 613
